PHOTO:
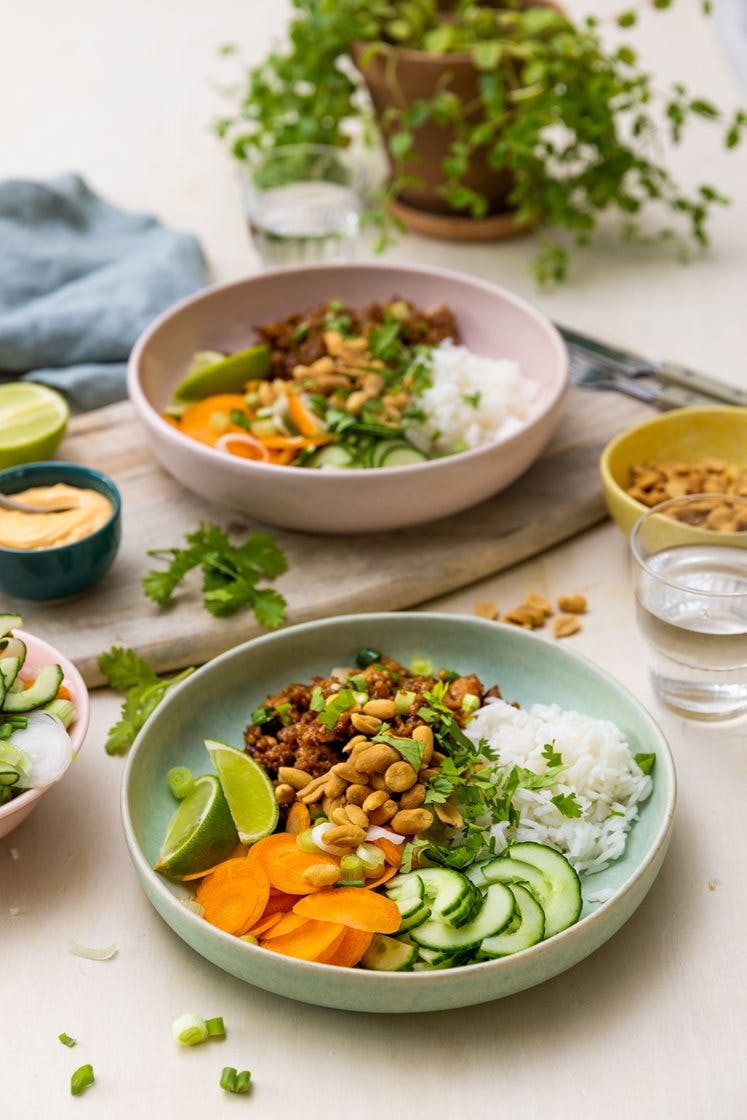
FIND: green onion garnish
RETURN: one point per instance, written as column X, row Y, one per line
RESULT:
column 189, row 1029
column 228, row 1079
column 242, row 1081
column 66, row 1040
column 215, row 1027
column 81, row 1079
column 181, row 782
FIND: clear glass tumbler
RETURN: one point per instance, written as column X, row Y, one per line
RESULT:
column 691, row 601
column 302, row 202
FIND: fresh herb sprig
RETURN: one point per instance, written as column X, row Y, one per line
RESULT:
column 144, row 690
column 230, row 573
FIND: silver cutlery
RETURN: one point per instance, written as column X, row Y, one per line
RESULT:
column 605, row 359
column 589, row 375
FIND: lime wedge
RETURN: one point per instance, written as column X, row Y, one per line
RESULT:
column 211, row 372
column 33, row 419
column 200, row 833
column 249, row 792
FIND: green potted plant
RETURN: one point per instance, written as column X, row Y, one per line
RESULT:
column 492, row 113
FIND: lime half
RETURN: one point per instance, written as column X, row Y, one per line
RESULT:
column 200, row 833
column 249, row 792
column 33, row 419
column 212, row 372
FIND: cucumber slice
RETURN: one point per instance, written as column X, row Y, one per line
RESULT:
column 409, row 897
column 445, row 958
column 493, row 916
column 388, row 954
column 13, row 647
column 395, row 453
column 9, row 622
column 530, row 928
column 452, row 894
column 9, row 667
column 44, row 689
column 551, row 878
column 331, row 457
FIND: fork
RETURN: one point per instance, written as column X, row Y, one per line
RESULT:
column 596, row 375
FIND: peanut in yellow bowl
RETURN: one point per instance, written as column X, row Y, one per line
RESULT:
column 89, row 511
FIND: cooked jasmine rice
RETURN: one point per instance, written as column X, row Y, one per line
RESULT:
column 472, row 400
column 601, row 771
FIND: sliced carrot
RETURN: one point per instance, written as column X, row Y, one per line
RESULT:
column 392, row 852
column 246, row 446
column 298, row 819
column 197, row 422
column 351, row 906
column 308, row 941
column 280, row 903
column 234, row 906
column 348, row 951
column 64, row 693
column 297, row 441
column 305, row 421
column 284, row 863
column 266, row 922
column 287, row 924
column 386, row 874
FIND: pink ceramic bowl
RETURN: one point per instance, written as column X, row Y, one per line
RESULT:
column 493, row 322
column 38, row 654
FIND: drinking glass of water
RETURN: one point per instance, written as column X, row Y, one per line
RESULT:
column 691, row 602
column 302, row 202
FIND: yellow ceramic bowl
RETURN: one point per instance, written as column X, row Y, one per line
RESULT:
column 685, row 435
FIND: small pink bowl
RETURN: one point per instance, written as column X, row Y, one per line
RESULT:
column 38, row 654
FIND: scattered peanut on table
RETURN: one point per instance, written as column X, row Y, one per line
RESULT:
column 535, row 609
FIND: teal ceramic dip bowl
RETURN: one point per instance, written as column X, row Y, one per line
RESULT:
column 56, row 573
column 217, row 701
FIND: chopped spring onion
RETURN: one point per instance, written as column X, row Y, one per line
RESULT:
column 233, row 1081
column 365, row 657
column 192, row 904
column 66, row 1040
column 305, row 841
column 63, row 709
column 189, row 1029
column 228, row 1079
column 350, row 883
column 403, row 701
column 81, row 1079
column 181, row 782
column 372, row 859
column 90, row 954
column 470, row 703
column 215, row 1027
column 421, row 667
column 351, row 867
column 249, row 938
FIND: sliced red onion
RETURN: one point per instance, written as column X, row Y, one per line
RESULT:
column 222, row 443
column 90, row 954
column 376, row 832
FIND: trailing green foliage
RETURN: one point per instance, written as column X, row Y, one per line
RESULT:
column 575, row 121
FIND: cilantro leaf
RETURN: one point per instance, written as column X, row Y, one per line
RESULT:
column 551, row 755
column 568, row 804
column 144, row 690
column 230, row 573
column 316, row 703
column 335, row 705
column 410, row 749
column 645, row 762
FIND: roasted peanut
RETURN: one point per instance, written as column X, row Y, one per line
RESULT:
column 400, row 776
column 412, row 798
column 376, row 758
column 375, row 800
column 539, row 602
column 356, row 741
column 339, row 815
column 383, row 709
column 424, row 735
column 409, row 822
column 344, row 836
column 313, row 792
column 572, row 604
column 425, row 773
column 321, row 874
column 448, row 814
column 356, row 794
column 367, row 725
column 384, row 813
column 292, row 776
column 356, row 816
column 335, row 786
column 377, row 782
column 284, row 794
column 565, row 625
column 329, row 804
column 485, row 608
column 349, row 773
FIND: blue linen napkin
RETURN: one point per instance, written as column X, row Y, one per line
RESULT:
column 79, row 280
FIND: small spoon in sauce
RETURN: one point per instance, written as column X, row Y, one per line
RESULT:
column 7, row 502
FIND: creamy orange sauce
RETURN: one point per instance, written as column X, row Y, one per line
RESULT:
column 32, row 531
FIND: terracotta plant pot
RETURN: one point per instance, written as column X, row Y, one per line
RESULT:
column 396, row 77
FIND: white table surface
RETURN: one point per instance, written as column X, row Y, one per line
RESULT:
column 653, row 1024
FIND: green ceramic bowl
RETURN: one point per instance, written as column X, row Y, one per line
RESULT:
column 56, row 573
column 216, row 702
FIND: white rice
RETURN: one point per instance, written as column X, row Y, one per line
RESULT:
column 601, row 771
column 472, row 401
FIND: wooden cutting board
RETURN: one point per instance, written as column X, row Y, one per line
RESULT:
column 559, row 497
